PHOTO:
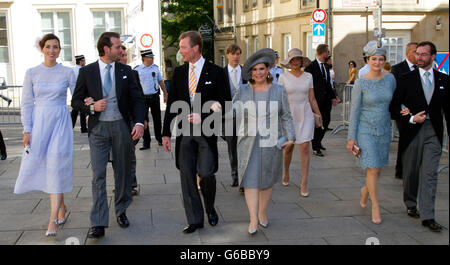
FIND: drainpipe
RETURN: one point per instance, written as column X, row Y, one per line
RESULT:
column 330, row 39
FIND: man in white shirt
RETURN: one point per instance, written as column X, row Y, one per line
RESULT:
column 233, row 73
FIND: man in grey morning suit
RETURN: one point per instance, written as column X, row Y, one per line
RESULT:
column 425, row 92
column 116, row 94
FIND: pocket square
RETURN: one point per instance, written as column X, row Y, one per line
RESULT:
column 208, row 83
column 124, row 77
column 441, row 87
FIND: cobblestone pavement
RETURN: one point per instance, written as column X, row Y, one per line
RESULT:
column 330, row 215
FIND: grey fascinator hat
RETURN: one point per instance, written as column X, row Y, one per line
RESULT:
column 265, row 55
column 372, row 49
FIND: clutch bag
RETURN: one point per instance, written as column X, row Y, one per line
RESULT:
column 281, row 141
column 356, row 151
column 318, row 121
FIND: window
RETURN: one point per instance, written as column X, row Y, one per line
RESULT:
column 255, row 3
column 230, row 9
column 394, row 47
column 4, row 57
column 308, row 2
column 286, row 44
column 220, row 11
column 58, row 23
column 267, row 2
column 310, row 51
column 255, row 43
column 269, row 42
column 106, row 21
column 246, row 5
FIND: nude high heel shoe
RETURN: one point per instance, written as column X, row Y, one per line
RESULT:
column 63, row 220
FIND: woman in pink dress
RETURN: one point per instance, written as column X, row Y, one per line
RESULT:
column 300, row 91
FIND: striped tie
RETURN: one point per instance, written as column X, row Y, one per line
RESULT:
column 192, row 82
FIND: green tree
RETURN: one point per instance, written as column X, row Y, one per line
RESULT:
column 184, row 15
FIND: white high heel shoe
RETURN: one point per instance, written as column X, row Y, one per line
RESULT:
column 63, row 220
column 48, row 233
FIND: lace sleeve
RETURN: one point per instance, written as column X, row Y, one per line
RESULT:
column 355, row 110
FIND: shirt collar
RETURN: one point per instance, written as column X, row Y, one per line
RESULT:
column 230, row 68
column 319, row 60
column 422, row 71
column 199, row 64
column 103, row 65
column 410, row 65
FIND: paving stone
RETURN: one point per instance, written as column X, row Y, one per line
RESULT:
column 334, row 208
column 17, row 206
column 63, row 237
column 430, row 238
column 315, row 228
column 383, row 239
column 9, row 238
column 229, row 232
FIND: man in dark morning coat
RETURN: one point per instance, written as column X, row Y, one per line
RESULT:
column 195, row 154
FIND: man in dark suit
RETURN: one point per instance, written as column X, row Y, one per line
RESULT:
column 116, row 94
column 323, row 92
column 233, row 74
column 424, row 92
column 406, row 66
column 193, row 84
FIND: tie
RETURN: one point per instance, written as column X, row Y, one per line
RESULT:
column 324, row 73
column 192, row 82
column 234, row 78
column 429, row 88
column 108, row 82
column 414, row 67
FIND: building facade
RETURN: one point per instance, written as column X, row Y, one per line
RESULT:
column 78, row 24
column 285, row 24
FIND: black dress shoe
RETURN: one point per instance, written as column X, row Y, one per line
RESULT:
column 3, row 157
column 122, row 220
column 235, row 183
column 96, row 232
column 398, row 176
column 191, row 228
column 317, row 153
column 213, row 218
column 413, row 212
column 144, row 148
column 84, row 130
column 431, row 223
column 322, row 148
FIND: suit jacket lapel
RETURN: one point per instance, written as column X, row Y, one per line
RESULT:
column 203, row 75
column 436, row 85
column 185, row 90
column 98, row 80
column 117, row 70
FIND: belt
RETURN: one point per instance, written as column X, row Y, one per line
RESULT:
column 151, row 95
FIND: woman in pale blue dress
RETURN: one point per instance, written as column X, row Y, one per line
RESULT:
column 370, row 123
column 47, row 163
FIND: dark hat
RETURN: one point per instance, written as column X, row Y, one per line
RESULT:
column 147, row 53
column 79, row 57
column 265, row 55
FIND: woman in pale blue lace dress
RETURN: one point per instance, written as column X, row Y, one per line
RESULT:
column 48, row 165
column 370, row 124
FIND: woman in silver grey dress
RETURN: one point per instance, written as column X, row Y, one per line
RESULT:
column 262, row 117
